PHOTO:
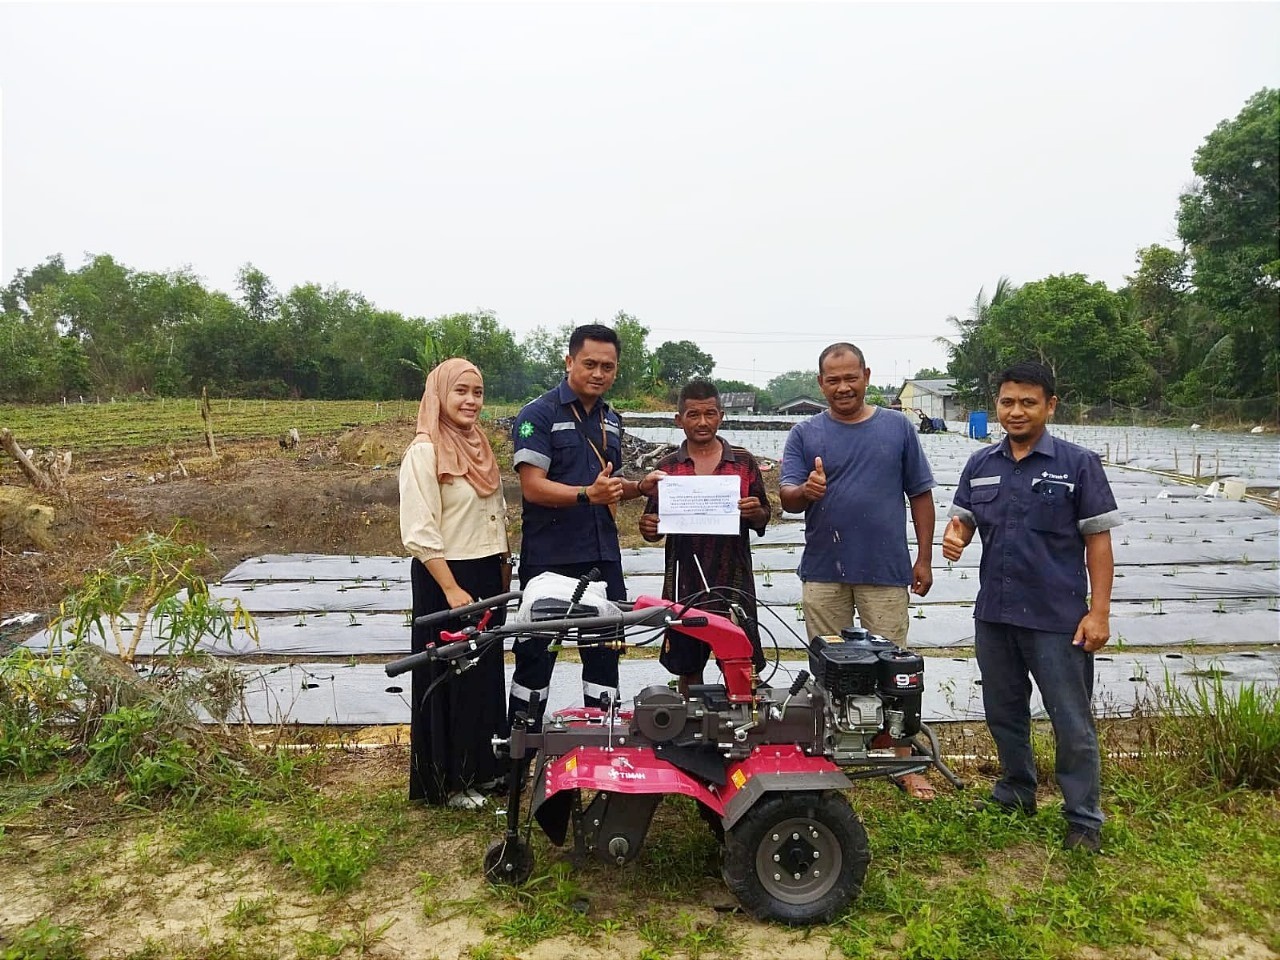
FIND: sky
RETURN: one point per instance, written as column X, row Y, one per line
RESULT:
column 762, row 179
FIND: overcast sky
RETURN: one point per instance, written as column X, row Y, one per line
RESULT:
column 762, row 179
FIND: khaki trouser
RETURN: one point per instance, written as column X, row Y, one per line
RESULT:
column 829, row 608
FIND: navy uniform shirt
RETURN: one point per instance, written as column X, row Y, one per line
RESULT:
column 548, row 435
column 1033, row 516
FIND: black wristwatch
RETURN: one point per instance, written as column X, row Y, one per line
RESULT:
column 582, row 495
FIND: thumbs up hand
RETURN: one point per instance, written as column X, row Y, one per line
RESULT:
column 955, row 538
column 606, row 488
column 815, row 488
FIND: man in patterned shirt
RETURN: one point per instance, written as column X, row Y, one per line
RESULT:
column 725, row 560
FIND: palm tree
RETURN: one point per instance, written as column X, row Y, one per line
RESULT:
column 972, row 362
column 425, row 357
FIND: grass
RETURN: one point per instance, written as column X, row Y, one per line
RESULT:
column 1229, row 737
column 321, row 851
column 330, row 838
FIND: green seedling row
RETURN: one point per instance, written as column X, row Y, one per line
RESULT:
column 122, row 425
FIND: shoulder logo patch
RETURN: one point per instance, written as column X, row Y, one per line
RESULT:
column 525, row 429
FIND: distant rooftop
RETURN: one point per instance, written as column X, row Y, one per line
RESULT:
column 943, row 388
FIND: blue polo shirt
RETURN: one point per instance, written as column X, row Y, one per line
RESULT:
column 547, row 434
column 1033, row 516
column 857, row 533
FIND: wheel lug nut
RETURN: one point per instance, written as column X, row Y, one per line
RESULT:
column 777, row 876
column 776, row 858
column 796, row 876
column 795, row 836
column 775, row 836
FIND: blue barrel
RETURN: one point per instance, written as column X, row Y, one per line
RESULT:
column 978, row 425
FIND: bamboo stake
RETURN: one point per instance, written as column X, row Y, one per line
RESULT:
column 207, row 417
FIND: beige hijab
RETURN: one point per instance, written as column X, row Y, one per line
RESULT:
column 459, row 453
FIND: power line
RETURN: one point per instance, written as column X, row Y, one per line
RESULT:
column 816, row 338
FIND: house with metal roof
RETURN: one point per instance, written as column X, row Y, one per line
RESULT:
column 738, row 402
column 801, row 407
column 935, row 398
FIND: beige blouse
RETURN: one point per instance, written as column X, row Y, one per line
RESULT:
column 447, row 520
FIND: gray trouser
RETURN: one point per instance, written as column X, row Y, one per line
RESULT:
column 1064, row 676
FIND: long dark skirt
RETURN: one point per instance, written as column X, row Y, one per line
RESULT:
column 450, row 732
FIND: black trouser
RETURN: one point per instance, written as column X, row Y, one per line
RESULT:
column 535, row 662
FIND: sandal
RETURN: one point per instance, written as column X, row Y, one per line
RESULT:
column 466, row 800
column 915, row 785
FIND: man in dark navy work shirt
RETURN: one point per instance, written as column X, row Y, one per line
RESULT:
column 568, row 454
column 1045, row 512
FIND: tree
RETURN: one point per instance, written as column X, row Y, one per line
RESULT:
column 1181, row 331
column 542, row 355
column 479, row 338
column 152, row 580
column 1230, row 225
column 257, row 294
column 1080, row 330
column 19, row 295
column 972, row 363
column 792, row 384
column 680, row 361
column 633, row 364
column 929, row 373
column 735, row 386
column 30, row 344
column 425, row 356
column 29, row 349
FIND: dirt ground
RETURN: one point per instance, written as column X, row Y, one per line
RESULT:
column 337, row 495
column 333, row 495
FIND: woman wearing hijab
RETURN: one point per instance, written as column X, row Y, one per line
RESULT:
column 453, row 523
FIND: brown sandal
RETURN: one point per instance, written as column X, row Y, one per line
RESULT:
column 916, row 786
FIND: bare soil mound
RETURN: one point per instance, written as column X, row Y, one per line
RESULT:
column 257, row 498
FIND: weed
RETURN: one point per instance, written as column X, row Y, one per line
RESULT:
column 1229, row 736
column 657, row 934
column 132, row 745
column 698, row 937
column 223, row 832
column 551, row 904
column 252, row 913
column 32, row 691
column 43, row 940
column 426, row 890
column 314, row 944
column 332, row 857
column 155, row 578
column 363, row 938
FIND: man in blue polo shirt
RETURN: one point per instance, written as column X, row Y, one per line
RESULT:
column 853, row 470
column 568, row 454
column 1045, row 512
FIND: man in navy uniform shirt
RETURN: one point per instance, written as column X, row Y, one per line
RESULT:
column 1045, row 512
column 568, row 454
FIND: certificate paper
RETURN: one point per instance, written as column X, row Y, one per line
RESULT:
column 699, row 505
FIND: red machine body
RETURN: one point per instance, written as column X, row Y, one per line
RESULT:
column 729, row 645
